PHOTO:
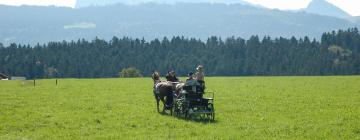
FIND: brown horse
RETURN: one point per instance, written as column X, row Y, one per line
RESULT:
column 162, row 91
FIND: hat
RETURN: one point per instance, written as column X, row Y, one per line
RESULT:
column 172, row 72
column 190, row 73
column 199, row 68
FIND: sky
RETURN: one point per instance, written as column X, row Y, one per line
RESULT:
column 350, row 6
column 67, row 3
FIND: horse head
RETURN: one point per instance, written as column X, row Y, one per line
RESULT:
column 155, row 76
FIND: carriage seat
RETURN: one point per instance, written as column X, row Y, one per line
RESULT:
column 192, row 86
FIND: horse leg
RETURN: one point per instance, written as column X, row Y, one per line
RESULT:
column 157, row 100
column 164, row 102
column 157, row 103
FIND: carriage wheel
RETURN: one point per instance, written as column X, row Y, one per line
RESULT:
column 186, row 110
column 188, row 114
column 212, row 116
column 175, row 108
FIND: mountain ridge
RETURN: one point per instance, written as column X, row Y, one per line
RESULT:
column 87, row 3
column 322, row 7
column 29, row 24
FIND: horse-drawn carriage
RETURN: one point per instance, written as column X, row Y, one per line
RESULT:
column 190, row 102
column 184, row 99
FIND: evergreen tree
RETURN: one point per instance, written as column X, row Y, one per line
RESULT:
column 336, row 53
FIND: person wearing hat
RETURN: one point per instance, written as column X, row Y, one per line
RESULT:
column 200, row 76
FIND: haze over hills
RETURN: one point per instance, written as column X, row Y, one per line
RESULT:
column 87, row 3
column 321, row 7
column 32, row 24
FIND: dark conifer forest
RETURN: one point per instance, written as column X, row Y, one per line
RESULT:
column 337, row 53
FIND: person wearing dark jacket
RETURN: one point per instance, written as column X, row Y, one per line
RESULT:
column 170, row 76
column 190, row 77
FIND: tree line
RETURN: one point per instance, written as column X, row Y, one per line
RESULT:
column 337, row 53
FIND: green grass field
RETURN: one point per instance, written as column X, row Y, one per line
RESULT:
column 246, row 108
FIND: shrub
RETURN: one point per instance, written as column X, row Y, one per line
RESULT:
column 130, row 72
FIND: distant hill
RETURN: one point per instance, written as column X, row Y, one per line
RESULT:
column 32, row 24
column 357, row 19
column 322, row 7
column 87, row 3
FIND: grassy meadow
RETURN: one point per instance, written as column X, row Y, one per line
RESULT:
column 246, row 108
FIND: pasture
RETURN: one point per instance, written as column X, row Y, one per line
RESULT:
column 246, row 108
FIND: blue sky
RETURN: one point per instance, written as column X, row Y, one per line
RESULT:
column 350, row 6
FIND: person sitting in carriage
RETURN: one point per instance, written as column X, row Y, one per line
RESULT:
column 190, row 77
column 191, row 81
column 171, row 76
column 199, row 76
